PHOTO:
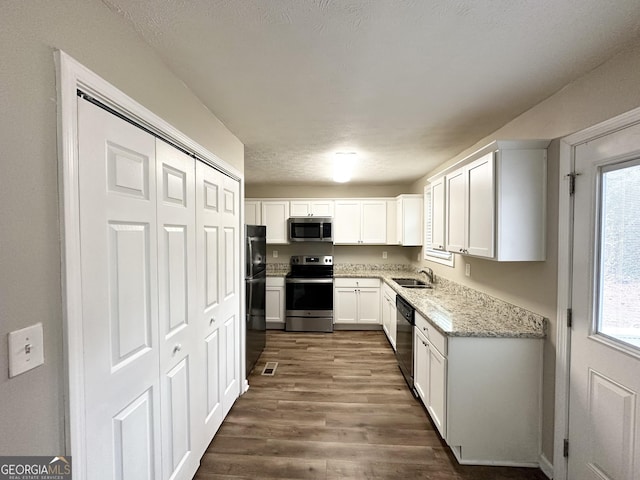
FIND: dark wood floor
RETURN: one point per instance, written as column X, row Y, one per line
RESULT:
column 337, row 408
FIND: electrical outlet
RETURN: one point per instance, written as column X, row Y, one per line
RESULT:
column 384, row 254
column 26, row 349
column 467, row 269
column 275, row 254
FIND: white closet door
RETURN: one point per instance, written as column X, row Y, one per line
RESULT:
column 230, row 283
column 118, row 230
column 218, row 240
column 177, row 311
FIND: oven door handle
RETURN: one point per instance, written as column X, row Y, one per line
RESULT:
column 308, row 280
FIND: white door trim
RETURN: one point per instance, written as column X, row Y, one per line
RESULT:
column 565, row 221
column 72, row 76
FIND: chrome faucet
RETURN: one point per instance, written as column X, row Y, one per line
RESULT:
column 429, row 273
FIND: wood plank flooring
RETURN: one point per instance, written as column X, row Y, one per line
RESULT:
column 336, row 408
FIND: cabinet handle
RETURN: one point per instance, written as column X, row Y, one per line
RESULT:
column 177, row 348
column 212, row 321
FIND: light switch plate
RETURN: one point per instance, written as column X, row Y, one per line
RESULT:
column 26, row 349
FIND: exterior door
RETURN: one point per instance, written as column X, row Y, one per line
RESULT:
column 177, row 310
column 118, row 237
column 604, row 409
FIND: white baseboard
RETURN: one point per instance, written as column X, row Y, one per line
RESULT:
column 546, row 466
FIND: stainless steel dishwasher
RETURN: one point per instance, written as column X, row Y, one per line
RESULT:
column 404, row 339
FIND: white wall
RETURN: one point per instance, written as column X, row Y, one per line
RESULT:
column 31, row 405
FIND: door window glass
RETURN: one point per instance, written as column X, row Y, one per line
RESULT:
column 618, row 286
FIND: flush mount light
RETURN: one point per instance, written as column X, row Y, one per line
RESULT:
column 343, row 164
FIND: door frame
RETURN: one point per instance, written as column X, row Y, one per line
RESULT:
column 71, row 77
column 568, row 146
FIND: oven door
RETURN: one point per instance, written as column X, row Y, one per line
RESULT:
column 306, row 297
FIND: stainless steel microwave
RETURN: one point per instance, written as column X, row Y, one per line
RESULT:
column 310, row 229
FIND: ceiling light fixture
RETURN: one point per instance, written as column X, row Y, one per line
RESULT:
column 343, row 164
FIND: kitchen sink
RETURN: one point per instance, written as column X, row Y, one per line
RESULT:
column 411, row 283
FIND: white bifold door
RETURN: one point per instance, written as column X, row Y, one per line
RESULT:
column 149, row 372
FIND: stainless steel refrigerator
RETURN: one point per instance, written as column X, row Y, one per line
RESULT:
column 255, row 285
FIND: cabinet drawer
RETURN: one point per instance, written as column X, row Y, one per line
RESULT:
column 275, row 281
column 356, row 282
column 436, row 338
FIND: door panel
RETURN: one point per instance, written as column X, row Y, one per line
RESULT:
column 211, row 262
column 214, row 399
column 230, row 262
column 178, row 438
column 129, row 292
column 118, row 238
column 178, row 312
column 134, row 436
column 604, row 425
column 175, row 287
column 231, row 372
column 217, row 223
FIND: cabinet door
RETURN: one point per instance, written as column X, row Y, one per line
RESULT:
column 410, row 220
column 392, row 222
column 374, row 222
column 274, row 305
column 345, row 305
column 393, row 321
column 322, row 208
column 252, row 212
column 438, row 215
column 369, row 305
column 437, row 389
column 480, row 207
column 274, row 216
column 456, row 212
column 385, row 315
column 346, row 223
column 421, row 367
column 299, row 208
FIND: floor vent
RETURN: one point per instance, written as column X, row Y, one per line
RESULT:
column 270, row 369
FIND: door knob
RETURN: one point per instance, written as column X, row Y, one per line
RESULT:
column 177, row 348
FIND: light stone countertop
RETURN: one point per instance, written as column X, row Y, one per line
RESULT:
column 453, row 309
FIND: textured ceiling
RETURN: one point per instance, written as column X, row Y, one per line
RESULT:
column 406, row 84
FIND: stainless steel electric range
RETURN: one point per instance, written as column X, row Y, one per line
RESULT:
column 309, row 294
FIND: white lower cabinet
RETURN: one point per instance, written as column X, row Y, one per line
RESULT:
column 482, row 393
column 389, row 320
column 356, row 301
column 275, row 292
column 430, row 377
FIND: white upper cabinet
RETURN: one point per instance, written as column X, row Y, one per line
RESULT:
column 496, row 204
column 438, row 215
column 409, row 220
column 360, row 222
column 392, row 222
column 252, row 212
column 311, row 208
column 274, row 215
